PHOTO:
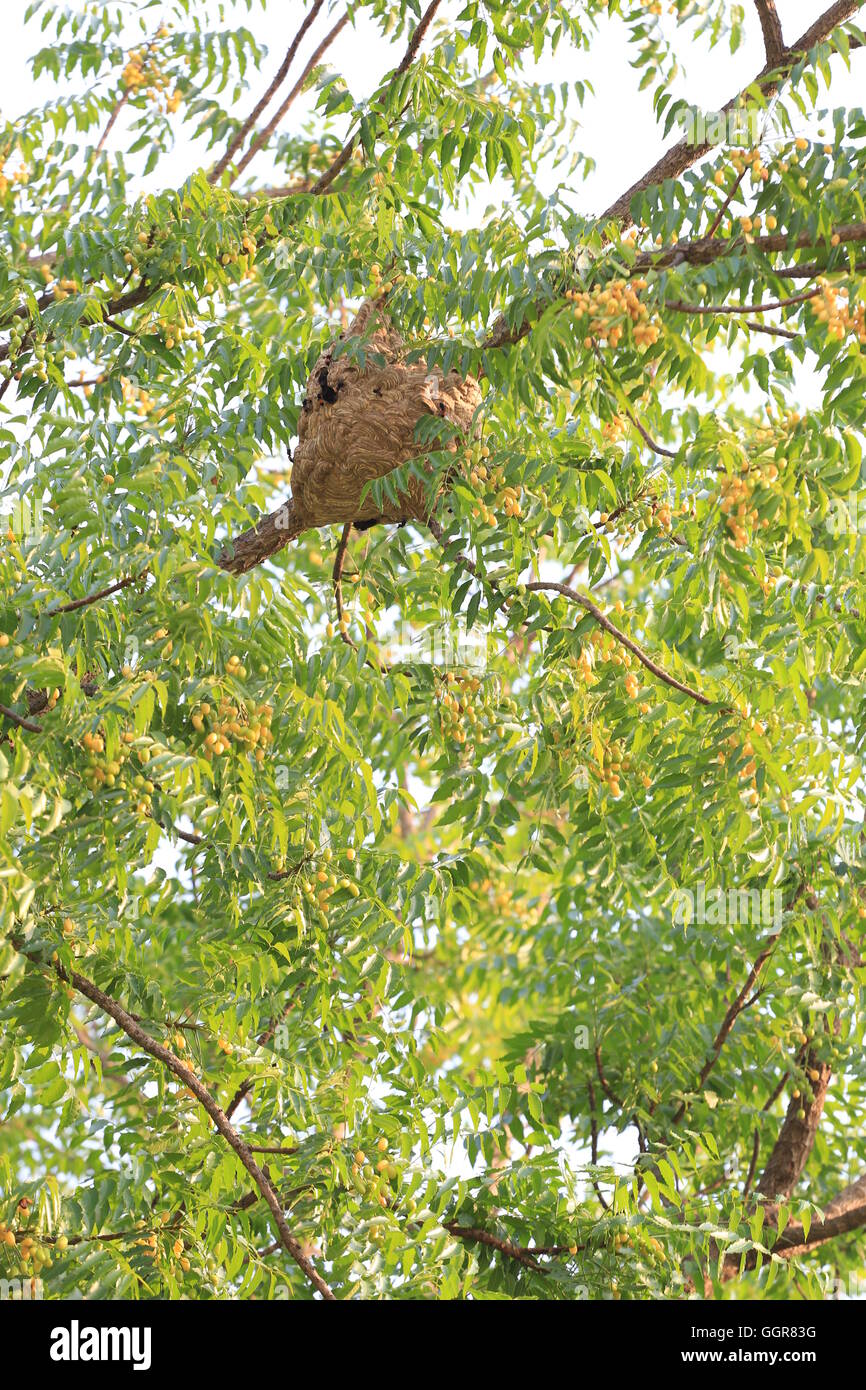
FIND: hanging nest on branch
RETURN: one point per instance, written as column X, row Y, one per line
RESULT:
column 358, row 424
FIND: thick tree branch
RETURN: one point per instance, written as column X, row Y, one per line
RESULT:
column 796, row 1138
column 701, row 251
column 683, row 155
column 137, row 1034
column 846, row 1213
column 771, row 28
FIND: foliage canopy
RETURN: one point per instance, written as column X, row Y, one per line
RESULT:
column 347, row 950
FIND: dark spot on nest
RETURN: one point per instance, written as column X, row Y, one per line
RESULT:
column 326, row 390
column 374, row 521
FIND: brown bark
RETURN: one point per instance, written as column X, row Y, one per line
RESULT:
column 796, row 1137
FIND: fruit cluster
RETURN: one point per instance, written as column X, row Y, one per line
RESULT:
column 507, row 499
column 510, row 501
column 373, row 1180
column 229, row 723
column 614, row 762
column 464, row 706
column 136, row 397
column 750, row 160
column 735, row 496
column 832, row 308
column 631, row 518
column 152, row 1249
column 602, row 648
column 613, row 430
column 102, row 771
column 20, row 176
column 31, row 1251
column 610, row 308
column 378, row 285
column 143, row 73
column 325, row 881
column 748, row 771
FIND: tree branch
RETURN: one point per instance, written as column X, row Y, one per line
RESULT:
column 88, row 599
column 681, row 157
column 730, row 1018
column 19, row 719
column 679, row 307
column 477, row 1236
column 771, row 28
column 265, row 134
column 796, row 1138
column 624, row 640
column 246, row 126
column 137, row 1034
column 345, row 154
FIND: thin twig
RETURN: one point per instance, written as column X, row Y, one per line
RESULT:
column 88, row 599
column 408, row 58
column 267, row 131
column 247, row 125
column 20, row 720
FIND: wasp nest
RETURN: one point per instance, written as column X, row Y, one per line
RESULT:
column 358, row 424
